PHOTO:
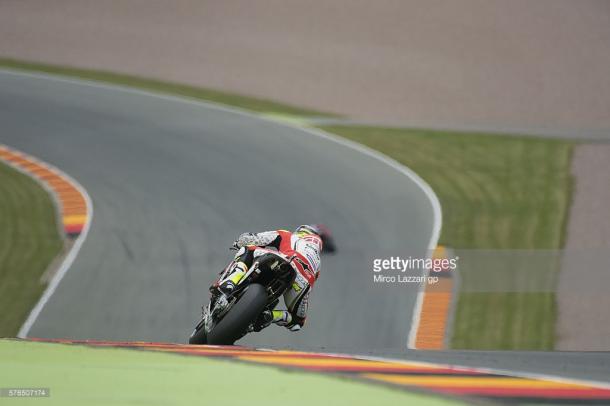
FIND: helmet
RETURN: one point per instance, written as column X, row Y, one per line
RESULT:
column 305, row 229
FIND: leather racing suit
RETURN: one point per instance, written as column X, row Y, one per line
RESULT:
column 307, row 249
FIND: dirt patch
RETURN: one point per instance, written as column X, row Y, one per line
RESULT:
column 480, row 63
column 584, row 281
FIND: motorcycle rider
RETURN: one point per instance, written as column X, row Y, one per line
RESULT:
column 306, row 244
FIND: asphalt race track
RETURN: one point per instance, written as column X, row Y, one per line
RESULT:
column 174, row 182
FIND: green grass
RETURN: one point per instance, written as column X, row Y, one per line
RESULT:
column 29, row 240
column 496, row 192
column 78, row 375
column 149, row 84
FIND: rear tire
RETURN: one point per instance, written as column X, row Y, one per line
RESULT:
column 240, row 316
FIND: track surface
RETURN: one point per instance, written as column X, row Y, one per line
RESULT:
column 172, row 184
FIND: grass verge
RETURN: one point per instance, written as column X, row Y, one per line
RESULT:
column 496, row 192
column 29, row 240
column 78, row 375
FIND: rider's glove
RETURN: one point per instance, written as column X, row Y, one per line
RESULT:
column 243, row 239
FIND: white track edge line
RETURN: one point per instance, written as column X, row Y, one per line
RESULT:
column 423, row 185
column 71, row 256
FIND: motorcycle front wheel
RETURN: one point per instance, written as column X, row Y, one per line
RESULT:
column 239, row 317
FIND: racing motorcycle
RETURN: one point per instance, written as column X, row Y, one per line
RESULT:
column 229, row 317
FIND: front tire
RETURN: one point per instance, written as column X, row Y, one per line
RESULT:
column 240, row 316
column 198, row 336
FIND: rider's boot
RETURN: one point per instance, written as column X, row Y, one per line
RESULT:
column 281, row 317
column 284, row 318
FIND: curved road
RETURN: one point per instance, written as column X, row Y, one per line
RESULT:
column 173, row 182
